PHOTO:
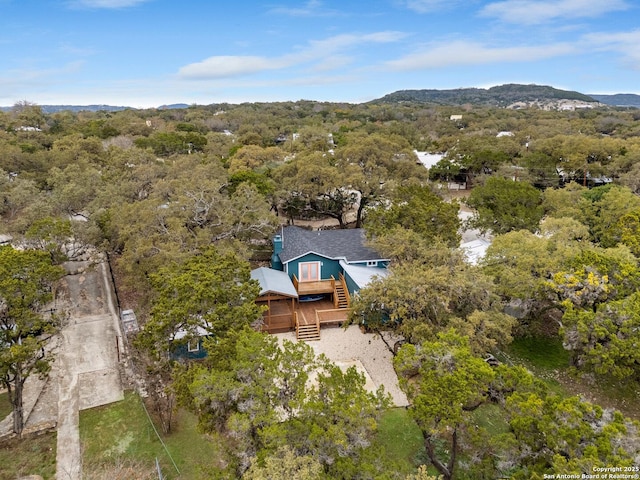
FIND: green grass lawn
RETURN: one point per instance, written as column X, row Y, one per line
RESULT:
column 545, row 357
column 540, row 355
column 29, row 456
column 121, row 434
column 401, row 440
column 549, row 361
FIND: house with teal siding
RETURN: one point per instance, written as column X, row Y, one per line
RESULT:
column 326, row 268
column 189, row 346
column 310, row 256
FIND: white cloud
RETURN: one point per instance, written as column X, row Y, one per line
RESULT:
column 427, row 6
column 320, row 51
column 229, row 66
column 623, row 43
column 530, row 12
column 338, row 43
column 19, row 80
column 312, row 8
column 105, row 3
column 469, row 53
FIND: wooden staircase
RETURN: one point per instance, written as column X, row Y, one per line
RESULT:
column 340, row 296
column 308, row 333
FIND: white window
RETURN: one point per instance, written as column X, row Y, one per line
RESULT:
column 309, row 271
column 372, row 263
column 193, row 345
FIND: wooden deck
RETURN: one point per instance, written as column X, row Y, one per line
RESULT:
column 323, row 310
column 332, row 309
column 310, row 288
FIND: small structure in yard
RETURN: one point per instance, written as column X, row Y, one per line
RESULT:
column 129, row 322
column 189, row 345
column 279, row 295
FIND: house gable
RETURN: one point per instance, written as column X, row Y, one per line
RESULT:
column 328, row 266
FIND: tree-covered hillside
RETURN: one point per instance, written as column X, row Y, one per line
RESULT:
column 501, row 95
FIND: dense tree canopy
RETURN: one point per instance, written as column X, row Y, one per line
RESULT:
column 211, row 294
column 418, row 209
column 503, row 205
column 372, row 164
column 182, row 197
column 261, row 398
column 420, row 300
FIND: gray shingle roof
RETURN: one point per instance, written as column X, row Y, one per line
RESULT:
column 345, row 244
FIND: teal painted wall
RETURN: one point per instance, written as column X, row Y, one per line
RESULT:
column 180, row 351
column 351, row 285
column 328, row 267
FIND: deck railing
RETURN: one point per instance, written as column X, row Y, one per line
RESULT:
column 278, row 321
column 332, row 315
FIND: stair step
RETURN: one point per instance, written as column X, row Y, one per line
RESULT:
column 308, row 333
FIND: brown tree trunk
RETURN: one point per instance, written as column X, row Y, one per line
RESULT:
column 445, row 470
column 363, row 203
column 18, row 407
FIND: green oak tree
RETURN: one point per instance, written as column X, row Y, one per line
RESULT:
column 502, row 205
column 595, row 276
column 418, row 300
column 418, row 209
column 372, row 164
column 263, row 395
column 606, row 340
column 444, row 383
column 211, row 293
column 607, row 206
column 312, row 184
column 27, row 321
column 555, row 433
column 629, row 228
column 285, row 464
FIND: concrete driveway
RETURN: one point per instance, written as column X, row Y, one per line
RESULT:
column 86, row 370
column 88, row 362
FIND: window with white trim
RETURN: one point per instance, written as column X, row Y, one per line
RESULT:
column 372, row 263
column 309, row 271
column 193, row 345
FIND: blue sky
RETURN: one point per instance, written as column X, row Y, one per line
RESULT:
column 146, row 53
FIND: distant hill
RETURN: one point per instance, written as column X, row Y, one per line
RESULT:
column 173, row 106
column 94, row 108
column 74, row 108
column 619, row 99
column 512, row 94
column 502, row 95
column 80, row 108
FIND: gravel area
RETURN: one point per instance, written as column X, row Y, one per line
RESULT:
column 352, row 347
